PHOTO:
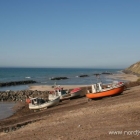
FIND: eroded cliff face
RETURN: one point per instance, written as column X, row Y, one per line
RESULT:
column 135, row 69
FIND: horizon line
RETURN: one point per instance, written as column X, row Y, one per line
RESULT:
column 59, row 67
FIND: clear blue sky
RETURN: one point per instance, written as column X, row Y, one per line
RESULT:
column 69, row 33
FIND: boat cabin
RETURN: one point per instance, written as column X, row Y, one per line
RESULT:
column 96, row 88
column 99, row 87
column 37, row 101
column 60, row 92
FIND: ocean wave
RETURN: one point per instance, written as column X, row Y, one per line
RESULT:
column 109, row 80
column 120, row 72
column 27, row 77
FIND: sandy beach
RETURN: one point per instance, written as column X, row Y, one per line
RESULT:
column 78, row 119
column 123, row 76
column 50, row 88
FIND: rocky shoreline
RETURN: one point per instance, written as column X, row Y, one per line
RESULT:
column 21, row 95
column 14, row 83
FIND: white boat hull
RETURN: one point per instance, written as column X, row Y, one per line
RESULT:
column 46, row 104
column 75, row 94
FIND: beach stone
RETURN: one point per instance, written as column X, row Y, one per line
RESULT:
column 6, row 131
column 13, row 128
column 22, row 95
column 10, row 129
column 84, row 75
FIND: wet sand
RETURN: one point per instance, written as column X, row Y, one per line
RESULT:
column 123, row 76
column 6, row 109
column 78, row 119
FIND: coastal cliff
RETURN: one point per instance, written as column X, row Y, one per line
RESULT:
column 135, row 69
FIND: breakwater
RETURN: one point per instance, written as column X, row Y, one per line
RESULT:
column 14, row 83
column 22, row 95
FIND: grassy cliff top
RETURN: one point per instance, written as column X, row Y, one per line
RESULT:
column 135, row 68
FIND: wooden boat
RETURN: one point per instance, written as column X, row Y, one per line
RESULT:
column 37, row 103
column 97, row 91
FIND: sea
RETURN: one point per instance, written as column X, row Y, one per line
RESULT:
column 43, row 77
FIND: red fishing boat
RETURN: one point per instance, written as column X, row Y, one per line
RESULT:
column 75, row 92
column 99, row 91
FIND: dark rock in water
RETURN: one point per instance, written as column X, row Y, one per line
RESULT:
column 106, row 73
column 17, row 83
column 84, row 75
column 97, row 74
column 59, row 78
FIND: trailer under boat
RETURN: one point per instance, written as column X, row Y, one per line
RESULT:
column 98, row 91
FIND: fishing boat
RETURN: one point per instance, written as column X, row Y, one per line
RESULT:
column 75, row 92
column 64, row 94
column 99, row 91
column 37, row 103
